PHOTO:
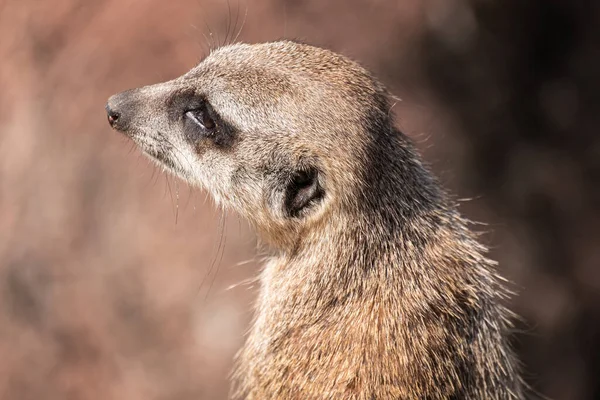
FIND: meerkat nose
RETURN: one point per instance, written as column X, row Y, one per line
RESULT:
column 120, row 109
column 113, row 116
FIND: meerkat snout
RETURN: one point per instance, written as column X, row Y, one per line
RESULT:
column 119, row 110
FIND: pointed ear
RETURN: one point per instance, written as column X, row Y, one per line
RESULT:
column 302, row 190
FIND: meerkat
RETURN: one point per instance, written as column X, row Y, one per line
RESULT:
column 376, row 288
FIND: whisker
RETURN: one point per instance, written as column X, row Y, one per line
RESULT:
column 241, row 27
column 220, row 259
column 237, row 16
column 157, row 175
column 249, row 283
column 198, row 43
column 212, row 37
column 174, row 207
column 189, row 197
column 284, row 18
column 228, row 22
column 176, row 201
column 215, row 258
column 176, row 150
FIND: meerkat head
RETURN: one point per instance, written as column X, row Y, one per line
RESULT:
column 277, row 131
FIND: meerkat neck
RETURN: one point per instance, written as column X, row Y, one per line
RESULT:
column 391, row 294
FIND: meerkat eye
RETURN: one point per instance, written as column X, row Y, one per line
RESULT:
column 201, row 117
column 201, row 121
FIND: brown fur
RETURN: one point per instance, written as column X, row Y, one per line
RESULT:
column 376, row 288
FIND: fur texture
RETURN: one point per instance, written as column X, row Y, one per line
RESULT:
column 376, row 288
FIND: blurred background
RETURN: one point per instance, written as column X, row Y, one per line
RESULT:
column 118, row 282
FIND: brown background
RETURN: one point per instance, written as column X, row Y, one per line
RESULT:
column 115, row 280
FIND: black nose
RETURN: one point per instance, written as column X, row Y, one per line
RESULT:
column 121, row 110
column 113, row 116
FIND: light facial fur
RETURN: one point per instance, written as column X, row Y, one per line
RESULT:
column 376, row 288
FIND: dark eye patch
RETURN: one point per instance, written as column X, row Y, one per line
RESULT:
column 199, row 120
column 182, row 100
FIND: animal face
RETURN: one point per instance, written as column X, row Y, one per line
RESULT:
column 276, row 131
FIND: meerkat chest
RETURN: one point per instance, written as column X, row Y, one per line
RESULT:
column 308, row 342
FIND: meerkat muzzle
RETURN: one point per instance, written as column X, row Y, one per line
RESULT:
column 121, row 109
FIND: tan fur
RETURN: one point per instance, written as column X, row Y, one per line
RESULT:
column 376, row 289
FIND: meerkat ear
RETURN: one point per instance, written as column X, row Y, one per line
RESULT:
column 302, row 190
